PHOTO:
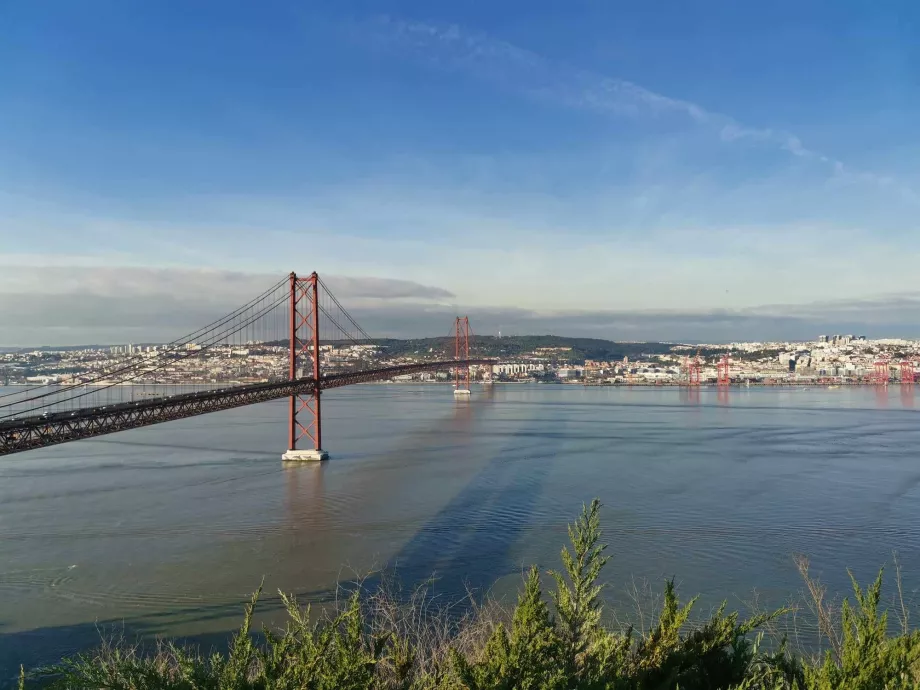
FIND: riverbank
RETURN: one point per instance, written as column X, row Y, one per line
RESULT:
column 569, row 382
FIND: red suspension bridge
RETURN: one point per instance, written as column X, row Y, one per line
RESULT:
column 297, row 318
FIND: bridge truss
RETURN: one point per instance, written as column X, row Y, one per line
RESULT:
column 94, row 404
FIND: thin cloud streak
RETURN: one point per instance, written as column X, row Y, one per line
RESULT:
column 896, row 317
column 193, row 284
column 57, row 305
column 162, row 304
column 452, row 47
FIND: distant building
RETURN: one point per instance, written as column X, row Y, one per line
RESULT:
column 515, row 368
column 822, row 338
column 569, row 373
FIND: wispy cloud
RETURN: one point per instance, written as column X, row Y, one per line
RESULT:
column 192, row 284
column 104, row 304
column 57, row 306
column 893, row 316
column 454, row 48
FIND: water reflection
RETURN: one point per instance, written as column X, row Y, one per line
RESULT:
column 304, row 494
column 689, row 395
column 881, row 396
column 907, row 395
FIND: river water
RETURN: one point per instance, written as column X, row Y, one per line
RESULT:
column 165, row 530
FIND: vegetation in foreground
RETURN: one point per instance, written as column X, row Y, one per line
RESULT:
column 377, row 640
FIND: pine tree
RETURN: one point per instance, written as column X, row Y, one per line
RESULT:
column 528, row 659
column 577, row 600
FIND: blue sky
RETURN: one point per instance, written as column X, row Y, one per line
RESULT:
column 679, row 170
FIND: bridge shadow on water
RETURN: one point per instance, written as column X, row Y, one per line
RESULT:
column 468, row 544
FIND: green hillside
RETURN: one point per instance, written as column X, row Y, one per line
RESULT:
column 518, row 345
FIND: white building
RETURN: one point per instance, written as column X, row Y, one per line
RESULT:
column 515, row 368
column 569, row 373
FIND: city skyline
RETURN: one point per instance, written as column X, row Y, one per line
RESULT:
column 696, row 172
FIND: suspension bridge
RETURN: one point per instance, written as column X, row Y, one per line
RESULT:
column 291, row 331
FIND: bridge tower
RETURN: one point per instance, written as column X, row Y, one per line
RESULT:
column 462, row 353
column 305, row 417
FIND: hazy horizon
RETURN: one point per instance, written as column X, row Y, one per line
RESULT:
column 117, row 307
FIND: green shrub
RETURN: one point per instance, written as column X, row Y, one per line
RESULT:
column 376, row 641
column 868, row 659
column 529, row 659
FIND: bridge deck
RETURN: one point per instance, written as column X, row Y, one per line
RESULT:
column 51, row 428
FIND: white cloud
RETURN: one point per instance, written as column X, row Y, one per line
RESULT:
column 192, row 284
column 518, row 69
column 119, row 305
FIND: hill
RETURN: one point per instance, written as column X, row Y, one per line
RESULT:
column 509, row 347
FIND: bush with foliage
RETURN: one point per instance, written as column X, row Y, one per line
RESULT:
column 378, row 641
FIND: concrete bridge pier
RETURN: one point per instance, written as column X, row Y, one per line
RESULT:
column 305, row 455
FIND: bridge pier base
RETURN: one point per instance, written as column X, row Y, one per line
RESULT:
column 305, row 455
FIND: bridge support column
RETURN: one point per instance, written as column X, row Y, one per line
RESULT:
column 462, row 371
column 305, row 411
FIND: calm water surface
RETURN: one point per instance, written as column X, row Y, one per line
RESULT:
column 165, row 530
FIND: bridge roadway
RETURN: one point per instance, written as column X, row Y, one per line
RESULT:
column 51, row 428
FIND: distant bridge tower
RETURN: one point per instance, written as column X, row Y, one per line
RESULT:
column 462, row 353
column 907, row 372
column 882, row 371
column 305, row 418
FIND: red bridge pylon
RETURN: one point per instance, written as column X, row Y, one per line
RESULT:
column 462, row 353
column 305, row 416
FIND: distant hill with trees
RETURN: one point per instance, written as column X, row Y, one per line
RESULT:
column 509, row 347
